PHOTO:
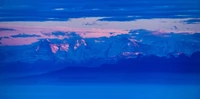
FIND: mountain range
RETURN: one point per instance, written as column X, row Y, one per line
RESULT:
column 54, row 54
column 76, row 49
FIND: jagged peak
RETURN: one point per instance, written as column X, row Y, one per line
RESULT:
column 44, row 44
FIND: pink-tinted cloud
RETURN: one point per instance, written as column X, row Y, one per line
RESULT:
column 99, row 29
column 18, row 41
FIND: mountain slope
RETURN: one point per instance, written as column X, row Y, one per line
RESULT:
column 78, row 50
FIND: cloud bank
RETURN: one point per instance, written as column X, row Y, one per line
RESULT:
column 62, row 10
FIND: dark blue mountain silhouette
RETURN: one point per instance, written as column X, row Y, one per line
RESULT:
column 152, row 63
column 143, row 69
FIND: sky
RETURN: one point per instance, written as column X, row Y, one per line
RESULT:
column 24, row 22
column 27, row 21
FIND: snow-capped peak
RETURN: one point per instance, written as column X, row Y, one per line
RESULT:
column 43, row 45
column 78, row 49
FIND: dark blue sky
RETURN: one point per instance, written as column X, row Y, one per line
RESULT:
column 44, row 10
column 95, row 18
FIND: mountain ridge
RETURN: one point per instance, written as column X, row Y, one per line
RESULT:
column 76, row 49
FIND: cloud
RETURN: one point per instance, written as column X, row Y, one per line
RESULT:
column 193, row 21
column 25, row 35
column 18, row 41
column 147, row 36
column 58, row 33
column 59, row 9
column 63, row 34
column 6, row 37
column 7, row 29
column 62, row 11
column 141, row 35
column 119, row 19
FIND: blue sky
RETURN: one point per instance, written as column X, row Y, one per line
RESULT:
column 44, row 10
column 34, row 19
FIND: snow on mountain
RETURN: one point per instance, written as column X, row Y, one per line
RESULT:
column 44, row 50
column 100, row 50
